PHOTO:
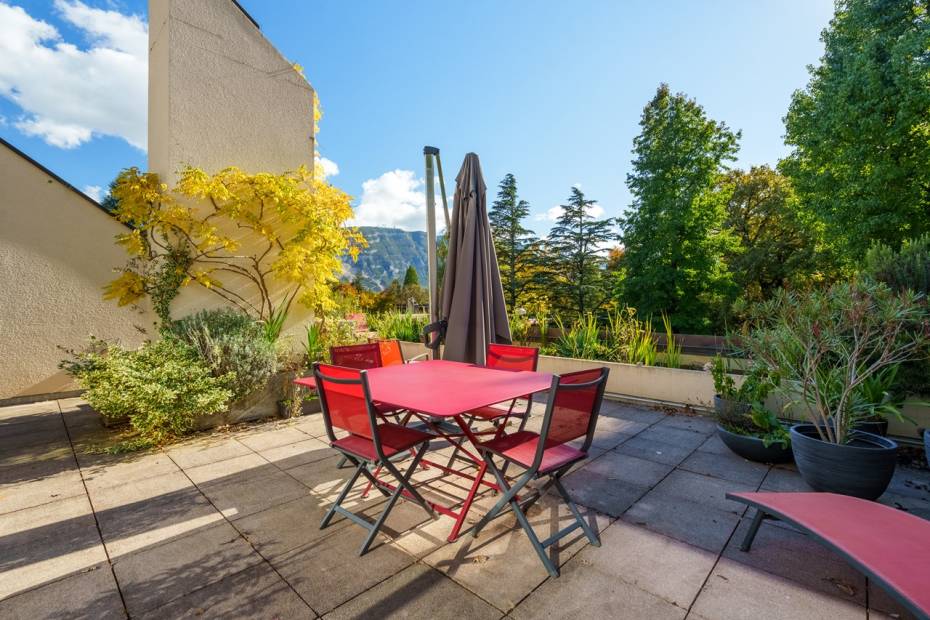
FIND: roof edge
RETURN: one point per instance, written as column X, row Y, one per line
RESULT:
column 58, row 178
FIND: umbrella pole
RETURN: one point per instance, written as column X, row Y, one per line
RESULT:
column 432, row 262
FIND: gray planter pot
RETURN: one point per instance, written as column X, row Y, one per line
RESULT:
column 307, row 407
column 753, row 448
column 862, row 468
column 729, row 409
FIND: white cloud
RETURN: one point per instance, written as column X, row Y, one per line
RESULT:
column 94, row 191
column 330, row 168
column 396, row 199
column 68, row 95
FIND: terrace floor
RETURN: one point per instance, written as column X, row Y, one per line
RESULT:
column 227, row 525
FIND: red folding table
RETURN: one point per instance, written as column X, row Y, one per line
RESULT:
column 444, row 389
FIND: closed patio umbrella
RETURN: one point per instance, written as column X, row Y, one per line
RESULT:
column 472, row 295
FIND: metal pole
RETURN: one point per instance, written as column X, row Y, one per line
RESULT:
column 432, row 262
column 442, row 189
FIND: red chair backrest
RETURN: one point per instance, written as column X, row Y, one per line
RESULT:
column 361, row 356
column 574, row 406
column 342, row 396
column 512, row 357
column 391, row 353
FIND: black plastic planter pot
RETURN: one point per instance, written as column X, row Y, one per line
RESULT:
column 861, row 468
column 927, row 445
column 753, row 449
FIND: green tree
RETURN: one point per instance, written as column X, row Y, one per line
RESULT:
column 410, row 277
column 672, row 238
column 860, row 130
column 575, row 256
column 515, row 245
column 776, row 239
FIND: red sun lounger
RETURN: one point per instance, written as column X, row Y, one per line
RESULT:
column 888, row 545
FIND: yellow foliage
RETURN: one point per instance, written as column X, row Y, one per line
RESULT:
column 294, row 225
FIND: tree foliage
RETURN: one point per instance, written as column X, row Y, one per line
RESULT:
column 259, row 241
column 775, row 239
column 860, row 130
column 410, row 277
column 575, row 256
column 515, row 244
column 672, row 237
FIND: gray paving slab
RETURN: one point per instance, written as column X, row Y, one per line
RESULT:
column 41, row 491
column 653, row 449
column 205, row 450
column 671, row 435
column 735, row 590
column 586, row 592
column 308, row 450
column 287, row 526
column 240, row 496
column 703, row 424
column 416, row 592
column 256, row 592
column 702, row 489
column 90, row 594
column 160, row 573
column 695, row 523
column 328, row 572
column 612, row 482
column 273, row 437
column 728, row 467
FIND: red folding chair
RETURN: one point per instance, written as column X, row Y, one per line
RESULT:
column 571, row 413
column 392, row 353
column 504, row 357
column 361, row 356
column 346, row 403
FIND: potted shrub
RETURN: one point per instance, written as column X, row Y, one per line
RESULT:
column 743, row 423
column 828, row 345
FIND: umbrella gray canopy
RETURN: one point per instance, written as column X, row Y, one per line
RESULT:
column 472, row 295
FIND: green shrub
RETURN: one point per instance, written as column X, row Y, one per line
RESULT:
column 232, row 345
column 399, row 325
column 162, row 387
column 906, row 269
column 630, row 340
column 581, row 340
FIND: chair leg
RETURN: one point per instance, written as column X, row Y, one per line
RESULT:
column 585, row 527
column 509, row 494
column 753, row 530
column 404, row 479
column 534, row 540
column 360, row 465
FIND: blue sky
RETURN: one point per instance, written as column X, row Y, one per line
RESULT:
column 550, row 91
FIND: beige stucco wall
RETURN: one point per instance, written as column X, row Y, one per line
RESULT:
column 220, row 95
column 56, row 254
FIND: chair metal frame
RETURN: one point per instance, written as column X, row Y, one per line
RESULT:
column 362, row 465
column 510, row 491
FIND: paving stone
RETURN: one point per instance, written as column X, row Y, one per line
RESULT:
column 783, row 480
column 500, row 565
column 256, row 592
column 140, row 524
column 271, row 438
column 726, row 467
column 613, row 482
column 90, row 594
column 328, row 571
column 48, row 542
column 696, row 423
column 697, row 524
column 633, row 413
column 41, row 491
column 796, row 557
column 287, row 526
column 651, row 449
column 608, row 440
column 584, row 592
column 140, row 490
column 670, row 435
column 715, row 445
column 237, row 496
column 416, row 592
column 123, row 469
column 703, row 490
column 308, row 450
column 168, row 570
column 236, row 468
column 47, row 425
column 203, row 451
column 20, row 469
column 735, row 590
column 313, row 425
column 665, row 567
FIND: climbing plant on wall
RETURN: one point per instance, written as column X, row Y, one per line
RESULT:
column 258, row 241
